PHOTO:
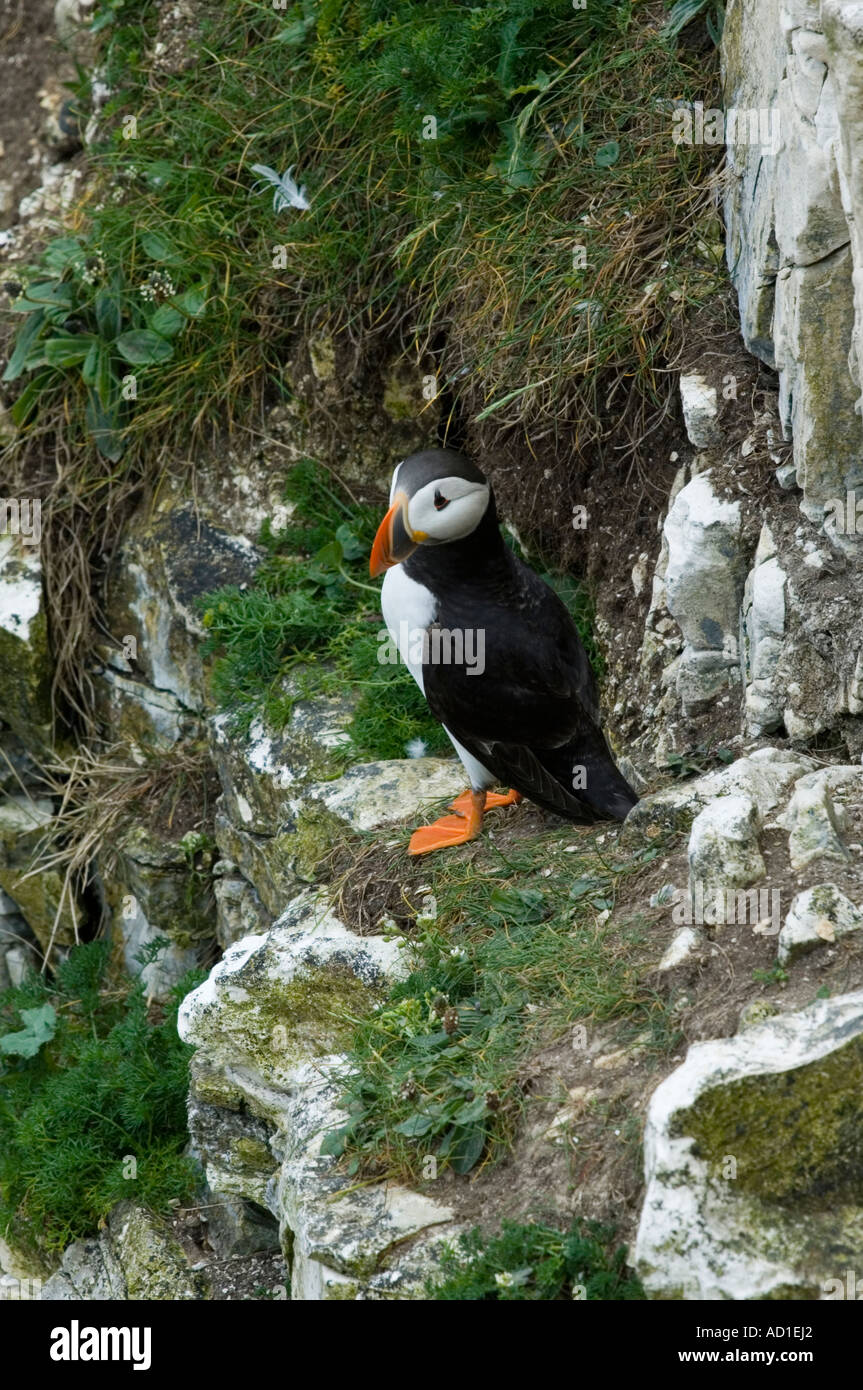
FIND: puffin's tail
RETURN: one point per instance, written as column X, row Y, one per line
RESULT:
column 605, row 789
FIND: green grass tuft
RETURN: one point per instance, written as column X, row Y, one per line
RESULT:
column 511, row 954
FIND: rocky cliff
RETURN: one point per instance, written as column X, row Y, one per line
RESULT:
column 657, row 1027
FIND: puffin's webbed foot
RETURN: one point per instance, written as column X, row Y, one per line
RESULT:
column 451, row 830
column 464, row 825
column 492, row 799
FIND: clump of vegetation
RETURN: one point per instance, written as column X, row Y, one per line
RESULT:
column 507, row 954
column 92, row 1101
column 498, row 168
column 501, row 178
column 536, row 1262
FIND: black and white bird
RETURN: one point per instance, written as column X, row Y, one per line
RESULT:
column 494, row 651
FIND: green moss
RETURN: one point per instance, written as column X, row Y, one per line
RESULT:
column 253, row 1153
column 287, row 1022
column 342, row 1293
column 796, row 1135
column 317, row 833
column 25, row 678
column 153, row 1261
column 22, row 827
column 211, row 1088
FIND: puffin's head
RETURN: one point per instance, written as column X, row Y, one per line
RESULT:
column 436, row 496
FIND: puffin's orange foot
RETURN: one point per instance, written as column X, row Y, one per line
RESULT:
column 492, row 799
column 512, row 798
column 451, row 830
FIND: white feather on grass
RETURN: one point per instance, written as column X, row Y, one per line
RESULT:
column 416, row 748
column 287, row 193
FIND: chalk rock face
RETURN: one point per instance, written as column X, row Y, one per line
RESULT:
column 700, row 411
column 273, row 997
column 263, row 770
column 764, row 776
column 752, row 1162
column 161, row 888
column 373, row 795
column 793, row 207
column 815, row 816
column 762, row 633
column 704, row 579
column 723, row 847
column 816, row 917
column 40, row 899
column 270, row 1026
column 152, row 682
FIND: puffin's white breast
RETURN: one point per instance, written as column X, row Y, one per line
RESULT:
column 409, row 609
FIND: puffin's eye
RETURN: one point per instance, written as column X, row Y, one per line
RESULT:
column 440, row 501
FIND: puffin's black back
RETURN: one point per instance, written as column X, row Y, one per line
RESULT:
column 531, row 716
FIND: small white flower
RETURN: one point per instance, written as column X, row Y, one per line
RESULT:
column 416, row 748
column 504, row 1280
column 458, row 954
column 157, row 286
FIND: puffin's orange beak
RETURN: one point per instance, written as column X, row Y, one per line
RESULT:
column 394, row 541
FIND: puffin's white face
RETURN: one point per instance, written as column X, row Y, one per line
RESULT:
column 447, row 508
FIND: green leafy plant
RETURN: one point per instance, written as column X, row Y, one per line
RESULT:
column 80, row 321
column 90, row 1082
column 776, row 975
column 40, row 1025
column 535, row 1262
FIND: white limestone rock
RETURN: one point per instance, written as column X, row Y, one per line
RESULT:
column 289, row 995
column 373, row 795
column 25, row 663
column 793, row 209
column 685, row 944
column 261, row 771
column 704, row 580
column 339, row 1241
column 752, row 1188
column 700, row 411
column 267, row 1079
column 765, row 776
column 723, row 847
column 763, row 620
column 814, row 821
column 817, row 917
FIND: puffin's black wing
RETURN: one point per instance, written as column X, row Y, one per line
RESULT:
column 530, row 714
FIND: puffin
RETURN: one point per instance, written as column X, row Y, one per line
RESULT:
column 494, row 651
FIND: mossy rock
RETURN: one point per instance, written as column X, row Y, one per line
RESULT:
column 796, row 1135
column 25, row 657
column 153, row 1262
column 23, row 824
